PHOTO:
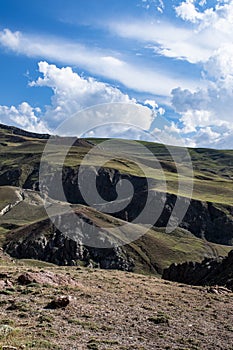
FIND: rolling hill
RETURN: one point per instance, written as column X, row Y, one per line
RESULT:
column 206, row 230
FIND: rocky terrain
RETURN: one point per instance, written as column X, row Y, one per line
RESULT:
column 48, row 307
column 35, row 236
column 206, row 231
column 210, row 213
column 43, row 241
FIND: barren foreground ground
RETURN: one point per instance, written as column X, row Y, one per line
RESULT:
column 109, row 310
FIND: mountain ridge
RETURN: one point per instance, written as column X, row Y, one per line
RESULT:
column 204, row 222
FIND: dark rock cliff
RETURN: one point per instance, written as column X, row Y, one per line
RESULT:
column 43, row 241
column 208, row 272
column 203, row 219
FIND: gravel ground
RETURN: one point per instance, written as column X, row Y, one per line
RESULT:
column 110, row 310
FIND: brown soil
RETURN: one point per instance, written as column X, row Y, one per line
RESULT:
column 111, row 310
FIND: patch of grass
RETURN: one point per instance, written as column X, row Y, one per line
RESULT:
column 160, row 318
column 7, row 331
column 7, row 321
column 42, row 344
column 7, row 291
column 92, row 345
column 84, row 324
column 46, row 319
column 19, row 306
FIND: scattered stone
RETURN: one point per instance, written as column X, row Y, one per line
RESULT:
column 59, row 302
column 160, row 318
column 25, row 279
column 218, row 290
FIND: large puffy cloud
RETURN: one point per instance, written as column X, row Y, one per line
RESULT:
column 73, row 92
column 188, row 12
column 220, row 64
column 72, row 95
column 207, row 113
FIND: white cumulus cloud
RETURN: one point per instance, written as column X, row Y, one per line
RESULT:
column 72, row 94
column 188, row 12
column 23, row 116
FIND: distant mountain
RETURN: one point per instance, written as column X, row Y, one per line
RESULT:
column 26, row 232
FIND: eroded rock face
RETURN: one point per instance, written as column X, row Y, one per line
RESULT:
column 208, row 272
column 43, row 241
column 10, row 177
column 206, row 219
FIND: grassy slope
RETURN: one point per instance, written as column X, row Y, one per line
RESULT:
column 152, row 252
column 213, row 169
column 213, row 181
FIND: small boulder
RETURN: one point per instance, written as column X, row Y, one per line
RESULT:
column 59, row 302
column 25, row 279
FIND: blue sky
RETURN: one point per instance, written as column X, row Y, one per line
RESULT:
column 172, row 59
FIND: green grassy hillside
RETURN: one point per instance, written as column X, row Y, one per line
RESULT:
column 213, row 169
column 151, row 253
column 20, row 155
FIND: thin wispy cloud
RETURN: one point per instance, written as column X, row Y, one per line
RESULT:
column 96, row 61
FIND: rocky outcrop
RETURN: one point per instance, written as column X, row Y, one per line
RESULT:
column 43, row 241
column 10, row 206
column 10, row 177
column 208, row 272
column 46, row 277
column 59, row 302
column 203, row 219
